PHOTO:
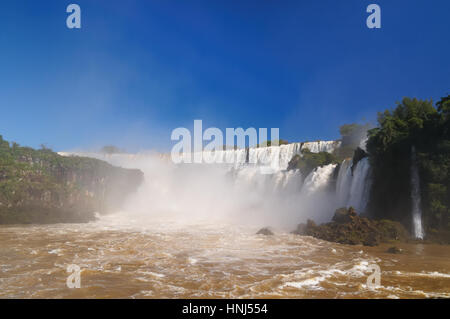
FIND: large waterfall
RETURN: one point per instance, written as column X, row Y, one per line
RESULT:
column 415, row 196
column 251, row 185
column 274, row 158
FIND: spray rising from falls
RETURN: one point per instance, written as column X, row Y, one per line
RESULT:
column 415, row 196
column 318, row 179
column 254, row 187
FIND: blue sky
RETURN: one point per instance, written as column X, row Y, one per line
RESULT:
column 138, row 69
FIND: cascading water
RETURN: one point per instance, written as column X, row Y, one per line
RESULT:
column 318, row 179
column 353, row 188
column 251, row 184
column 415, row 196
column 321, row 146
column 275, row 157
column 359, row 189
column 344, row 182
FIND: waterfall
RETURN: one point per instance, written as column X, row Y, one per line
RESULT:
column 321, row 146
column 415, row 196
column 318, row 179
column 272, row 158
column 344, row 182
column 359, row 190
column 275, row 157
column 353, row 189
column 250, row 185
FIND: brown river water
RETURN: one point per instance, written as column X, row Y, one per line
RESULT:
column 122, row 258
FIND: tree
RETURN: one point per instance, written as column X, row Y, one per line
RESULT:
column 415, row 123
column 3, row 144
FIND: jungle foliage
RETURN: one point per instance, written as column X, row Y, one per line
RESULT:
column 413, row 123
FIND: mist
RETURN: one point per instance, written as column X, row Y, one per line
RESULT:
column 243, row 194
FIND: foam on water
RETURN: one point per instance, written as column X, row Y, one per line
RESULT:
column 123, row 257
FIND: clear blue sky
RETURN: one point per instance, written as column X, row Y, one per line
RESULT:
column 138, row 69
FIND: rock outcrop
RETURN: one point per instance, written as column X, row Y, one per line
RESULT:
column 394, row 250
column 265, row 231
column 349, row 228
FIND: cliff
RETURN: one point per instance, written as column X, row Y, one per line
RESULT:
column 40, row 186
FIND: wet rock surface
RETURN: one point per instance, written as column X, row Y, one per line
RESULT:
column 394, row 250
column 347, row 227
column 265, row 231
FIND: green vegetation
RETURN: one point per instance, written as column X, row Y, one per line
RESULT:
column 309, row 161
column 412, row 123
column 42, row 186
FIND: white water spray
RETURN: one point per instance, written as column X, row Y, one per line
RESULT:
column 255, row 189
column 318, row 179
column 415, row 196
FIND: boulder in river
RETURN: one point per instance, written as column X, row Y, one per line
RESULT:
column 394, row 250
column 265, row 231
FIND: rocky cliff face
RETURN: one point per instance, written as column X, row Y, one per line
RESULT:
column 40, row 186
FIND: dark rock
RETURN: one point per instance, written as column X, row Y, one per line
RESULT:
column 391, row 230
column 357, row 156
column 265, row 231
column 310, row 223
column 372, row 239
column 394, row 250
column 305, row 229
column 294, row 162
column 343, row 215
column 300, row 230
column 349, row 228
